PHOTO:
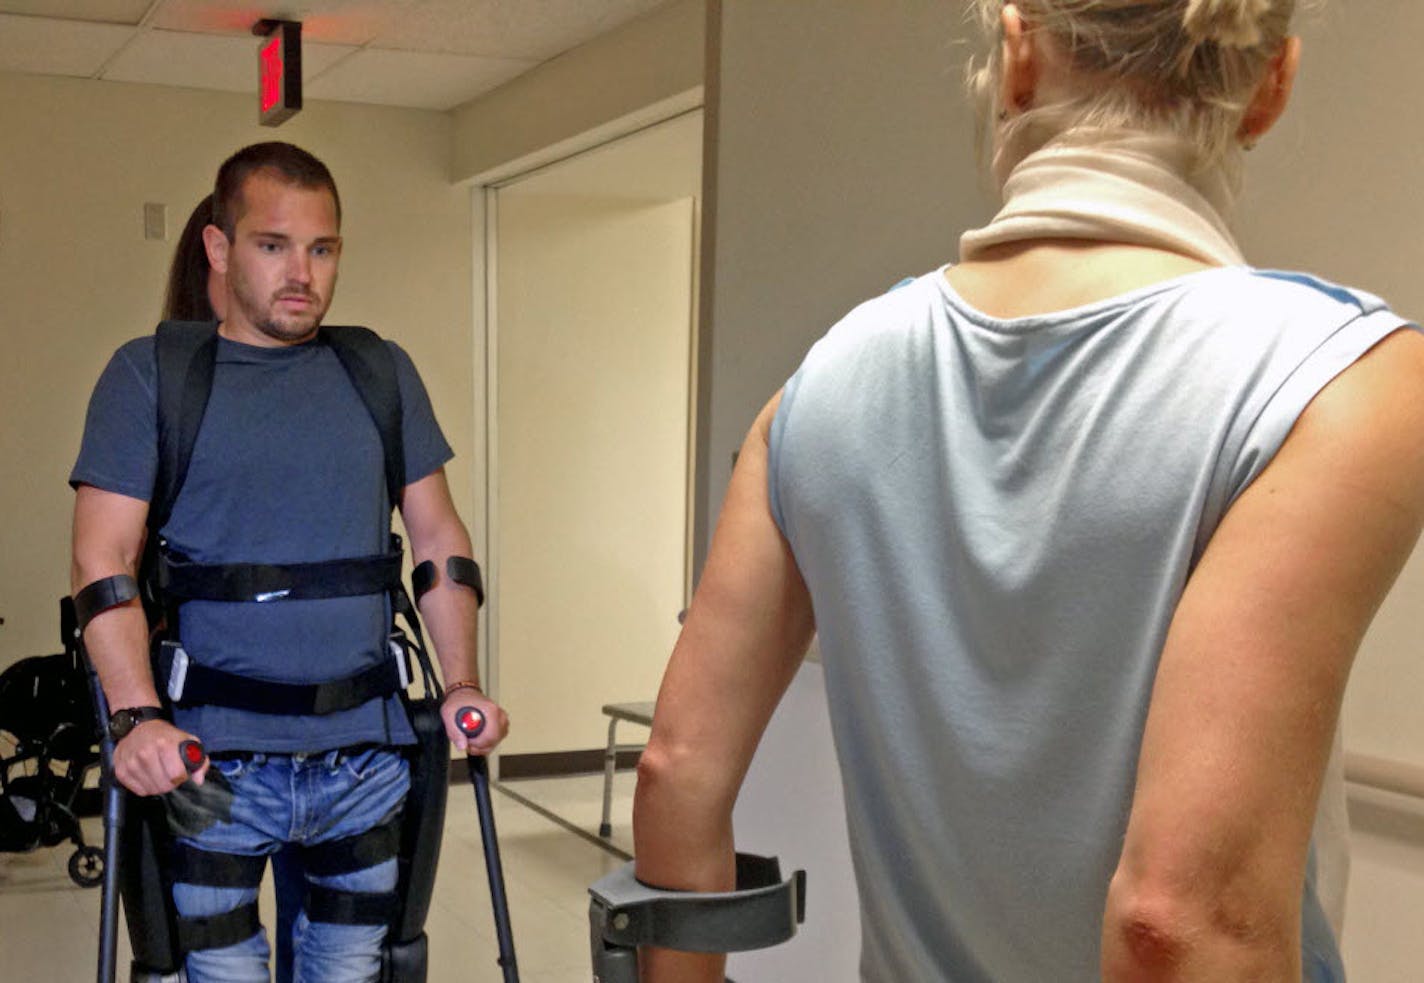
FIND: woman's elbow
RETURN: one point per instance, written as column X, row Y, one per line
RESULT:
column 672, row 775
column 682, row 823
column 1198, row 928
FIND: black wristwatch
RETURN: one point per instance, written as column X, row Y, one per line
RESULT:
column 123, row 721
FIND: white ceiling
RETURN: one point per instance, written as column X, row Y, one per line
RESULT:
column 424, row 54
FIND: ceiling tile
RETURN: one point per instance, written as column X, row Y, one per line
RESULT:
column 207, row 61
column 105, row 11
column 537, row 29
column 326, row 21
column 417, row 81
column 57, row 47
column 418, row 53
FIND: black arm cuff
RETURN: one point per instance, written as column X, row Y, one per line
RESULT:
column 464, row 570
column 460, row 569
column 96, row 598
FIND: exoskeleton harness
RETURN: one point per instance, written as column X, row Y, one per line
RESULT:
column 151, row 860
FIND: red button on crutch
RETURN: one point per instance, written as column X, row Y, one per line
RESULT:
column 193, row 755
column 470, row 721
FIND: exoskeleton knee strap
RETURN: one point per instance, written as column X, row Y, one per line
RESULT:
column 377, row 845
column 219, row 931
column 107, row 592
column 460, row 569
column 207, row 868
column 335, row 906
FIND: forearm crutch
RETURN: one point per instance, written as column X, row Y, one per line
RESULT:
column 75, row 614
column 113, row 794
column 471, row 722
column 625, row 913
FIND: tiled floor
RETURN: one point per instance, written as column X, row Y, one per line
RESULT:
column 48, row 925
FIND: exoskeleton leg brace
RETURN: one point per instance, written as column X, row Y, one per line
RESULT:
column 142, row 862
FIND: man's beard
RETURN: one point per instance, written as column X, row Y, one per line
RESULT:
column 288, row 328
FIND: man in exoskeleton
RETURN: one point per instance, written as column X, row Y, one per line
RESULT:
column 291, row 690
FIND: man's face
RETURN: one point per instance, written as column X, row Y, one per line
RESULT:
column 281, row 263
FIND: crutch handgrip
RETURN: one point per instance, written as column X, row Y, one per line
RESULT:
column 470, row 721
column 193, row 755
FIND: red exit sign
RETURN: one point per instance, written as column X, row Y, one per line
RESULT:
column 279, row 71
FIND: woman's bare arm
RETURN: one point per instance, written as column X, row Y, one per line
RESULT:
column 745, row 636
column 1248, row 691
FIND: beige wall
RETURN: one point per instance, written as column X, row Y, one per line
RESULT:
column 78, row 160
column 842, row 163
column 652, row 59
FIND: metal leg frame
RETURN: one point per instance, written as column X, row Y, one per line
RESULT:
column 623, row 914
column 610, row 759
column 636, row 713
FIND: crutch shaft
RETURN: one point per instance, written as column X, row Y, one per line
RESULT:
column 471, row 722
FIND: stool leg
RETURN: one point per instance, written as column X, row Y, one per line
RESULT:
column 610, row 757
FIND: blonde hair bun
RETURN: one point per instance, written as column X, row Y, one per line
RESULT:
column 1229, row 23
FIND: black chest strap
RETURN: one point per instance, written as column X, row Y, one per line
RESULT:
column 182, row 580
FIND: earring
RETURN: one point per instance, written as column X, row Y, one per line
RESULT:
column 1003, row 116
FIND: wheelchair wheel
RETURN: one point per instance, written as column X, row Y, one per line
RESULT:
column 86, row 866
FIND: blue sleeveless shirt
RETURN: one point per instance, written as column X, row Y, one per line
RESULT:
column 996, row 519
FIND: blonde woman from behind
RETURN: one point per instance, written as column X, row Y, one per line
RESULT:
column 1089, row 523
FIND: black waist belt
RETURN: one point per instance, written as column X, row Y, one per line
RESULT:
column 184, row 580
column 191, row 684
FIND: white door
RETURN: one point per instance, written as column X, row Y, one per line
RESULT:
column 594, row 333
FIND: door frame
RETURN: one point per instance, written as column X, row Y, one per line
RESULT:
column 484, row 206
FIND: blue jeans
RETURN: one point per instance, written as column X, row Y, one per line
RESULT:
column 279, row 799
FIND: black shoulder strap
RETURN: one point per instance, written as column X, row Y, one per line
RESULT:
column 372, row 368
column 187, row 353
column 187, row 356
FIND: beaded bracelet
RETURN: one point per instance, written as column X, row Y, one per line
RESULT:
column 464, row 684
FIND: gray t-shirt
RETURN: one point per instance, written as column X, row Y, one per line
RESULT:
column 996, row 519
column 288, row 468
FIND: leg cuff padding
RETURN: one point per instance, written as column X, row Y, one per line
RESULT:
column 204, row 867
column 333, row 907
column 219, row 931
column 377, row 845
